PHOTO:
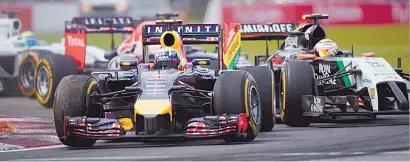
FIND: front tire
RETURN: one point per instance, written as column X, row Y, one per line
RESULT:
column 49, row 72
column 236, row 92
column 264, row 79
column 297, row 80
column 72, row 98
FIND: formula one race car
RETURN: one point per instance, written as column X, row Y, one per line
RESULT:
column 133, row 45
column 52, row 68
column 21, row 52
column 164, row 99
column 308, row 86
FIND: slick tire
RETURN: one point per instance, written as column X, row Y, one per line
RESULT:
column 72, row 99
column 234, row 93
column 25, row 77
column 49, row 71
column 297, row 79
column 264, row 79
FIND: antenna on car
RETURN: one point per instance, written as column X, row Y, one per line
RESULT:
column 352, row 49
column 267, row 48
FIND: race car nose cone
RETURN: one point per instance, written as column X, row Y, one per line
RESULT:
column 149, row 108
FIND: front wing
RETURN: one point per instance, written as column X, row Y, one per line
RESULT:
column 201, row 127
column 333, row 106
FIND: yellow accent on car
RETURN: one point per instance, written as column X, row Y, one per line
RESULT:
column 125, row 63
column 90, row 86
column 251, row 123
column 202, row 62
column 126, row 123
column 50, row 87
column 282, row 113
column 153, row 107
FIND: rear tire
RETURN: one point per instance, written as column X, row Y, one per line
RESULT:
column 72, row 99
column 234, row 93
column 297, row 80
column 26, row 75
column 49, row 72
column 264, row 79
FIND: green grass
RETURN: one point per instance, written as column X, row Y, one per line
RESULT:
column 387, row 41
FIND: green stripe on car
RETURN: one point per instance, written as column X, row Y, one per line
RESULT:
column 345, row 78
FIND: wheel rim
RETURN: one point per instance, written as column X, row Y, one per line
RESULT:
column 43, row 81
column 27, row 74
column 1, row 86
column 254, row 105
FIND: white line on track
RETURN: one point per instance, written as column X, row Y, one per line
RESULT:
column 257, row 154
column 37, row 148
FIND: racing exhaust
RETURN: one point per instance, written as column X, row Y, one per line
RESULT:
column 171, row 39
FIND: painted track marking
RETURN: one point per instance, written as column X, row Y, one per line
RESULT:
column 247, row 155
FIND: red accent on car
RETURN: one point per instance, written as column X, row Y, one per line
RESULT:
column 277, row 60
column 242, row 122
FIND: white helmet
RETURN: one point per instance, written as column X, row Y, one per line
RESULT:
column 326, row 47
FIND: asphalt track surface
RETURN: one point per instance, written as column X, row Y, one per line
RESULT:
column 385, row 138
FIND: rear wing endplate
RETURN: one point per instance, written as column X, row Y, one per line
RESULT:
column 190, row 33
column 76, row 30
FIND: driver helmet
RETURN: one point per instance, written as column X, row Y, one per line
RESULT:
column 167, row 58
column 30, row 38
column 326, row 48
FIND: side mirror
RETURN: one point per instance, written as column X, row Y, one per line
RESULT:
column 260, row 60
column 201, row 62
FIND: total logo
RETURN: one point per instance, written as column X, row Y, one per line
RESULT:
column 72, row 41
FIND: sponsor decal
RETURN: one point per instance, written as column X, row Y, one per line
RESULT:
column 365, row 80
column 375, row 64
column 206, row 77
column 395, row 77
column 102, row 21
column 385, row 74
column 291, row 41
column 232, row 45
column 372, row 93
column 324, row 71
column 317, row 105
column 75, row 46
column 186, row 29
column 75, row 41
column 257, row 28
column 155, row 86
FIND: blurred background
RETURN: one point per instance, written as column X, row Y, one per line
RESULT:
column 380, row 26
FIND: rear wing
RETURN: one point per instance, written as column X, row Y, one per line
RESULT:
column 268, row 31
column 190, row 33
column 103, row 24
column 274, row 31
column 76, row 30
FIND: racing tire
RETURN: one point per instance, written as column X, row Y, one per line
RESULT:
column 49, row 71
column 25, row 77
column 297, row 80
column 72, row 99
column 264, row 79
column 234, row 93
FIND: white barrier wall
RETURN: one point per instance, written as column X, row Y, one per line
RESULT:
column 50, row 17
